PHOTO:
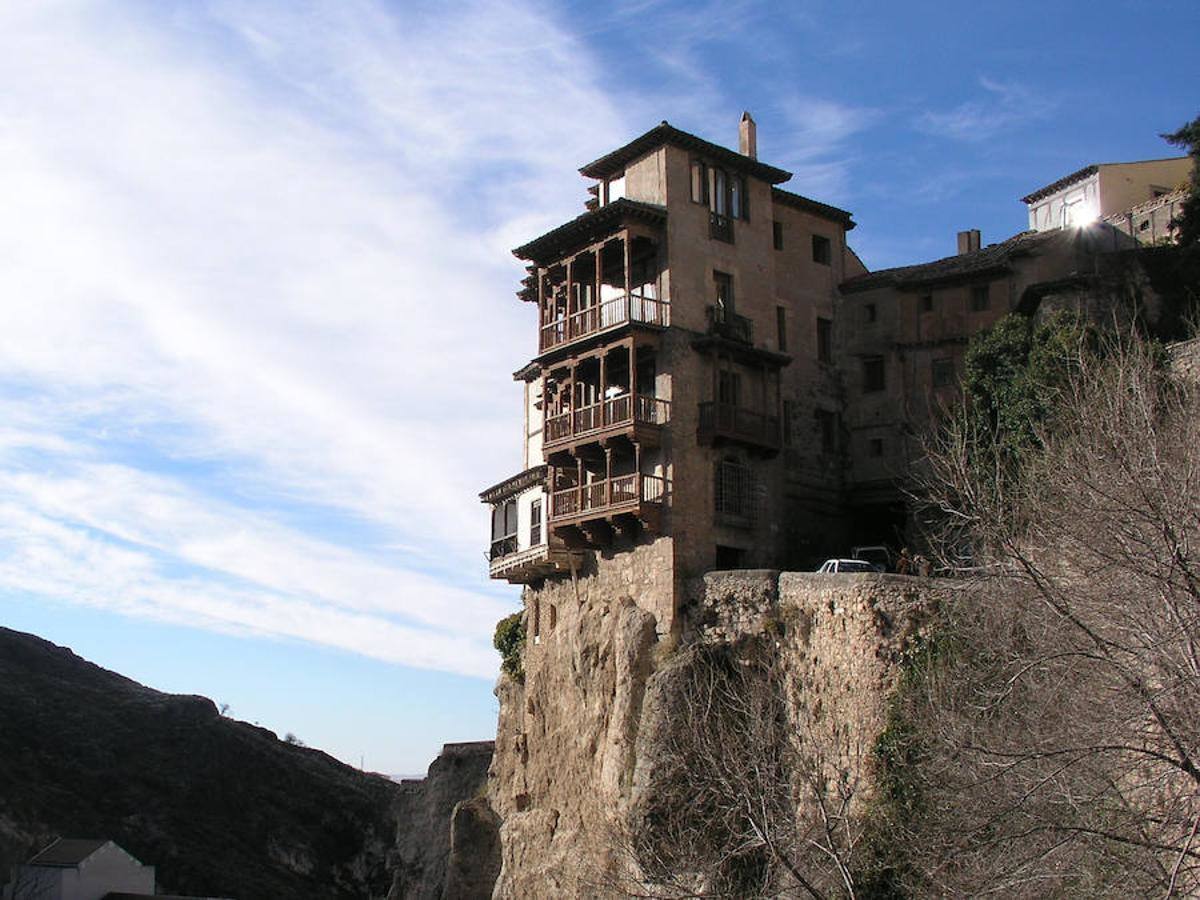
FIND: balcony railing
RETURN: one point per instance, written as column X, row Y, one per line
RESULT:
column 730, row 325
column 610, row 414
column 502, row 547
column 736, row 423
column 621, row 493
column 720, row 227
column 602, row 316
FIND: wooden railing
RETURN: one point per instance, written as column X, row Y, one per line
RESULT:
column 720, row 227
column 611, row 413
column 725, row 420
column 502, row 547
column 633, row 307
column 608, row 494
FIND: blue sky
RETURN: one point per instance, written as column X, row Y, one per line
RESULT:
column 256, row 296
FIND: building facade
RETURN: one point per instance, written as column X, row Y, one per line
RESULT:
column 717, row 382
column 1116, row 192
column 682, row 399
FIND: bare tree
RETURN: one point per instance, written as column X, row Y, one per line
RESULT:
column 743, row 804
column 1055, row 740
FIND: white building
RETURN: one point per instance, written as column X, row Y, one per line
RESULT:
column 1104, row 189
column 79, row 869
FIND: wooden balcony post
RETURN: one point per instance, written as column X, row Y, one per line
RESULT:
column 552, row 481
column 637, row 469
column 633, row 377
column 599, row 276
column 579, row 485
column 608, row 477
column 570, row 299
column 603, row 388
column 628, row 278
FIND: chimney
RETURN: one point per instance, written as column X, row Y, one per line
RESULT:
column 748, row 137
column 968, row 241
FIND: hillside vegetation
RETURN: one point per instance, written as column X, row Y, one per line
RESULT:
column 221, row 807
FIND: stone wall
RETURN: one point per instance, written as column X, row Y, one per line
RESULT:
column 577, row 741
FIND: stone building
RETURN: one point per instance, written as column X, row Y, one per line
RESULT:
column 683, row 388
column 718, row 382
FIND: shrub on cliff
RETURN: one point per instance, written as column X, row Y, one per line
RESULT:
column 510, row 641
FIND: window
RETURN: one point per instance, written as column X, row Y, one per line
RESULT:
column 926, row 303
column 723, row 284
column 535, row 523
column 825, row 340
column 822, row 250
column 724, row 193
column 873, row 374
column 777, row 234
column 870, row 313
column 979, row 298
column 827, row 425
column 504, row 528
column 733, row 495
column 781, row 328
column 729, row 388
column 875, row 448
column 729, row 557
column 943, row 372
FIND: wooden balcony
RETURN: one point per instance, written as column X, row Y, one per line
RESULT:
column 723, row 422
column 637, row 417
column 640, row 496
column 602, row 317
column 531, row 564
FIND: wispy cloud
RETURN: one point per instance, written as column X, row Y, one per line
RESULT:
column 1002, row 107
column 814, row 143
column 260, row 304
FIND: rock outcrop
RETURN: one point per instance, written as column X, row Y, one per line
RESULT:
column 579, row 742
column 439, row 811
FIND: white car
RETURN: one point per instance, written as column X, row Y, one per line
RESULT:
column 832, row 566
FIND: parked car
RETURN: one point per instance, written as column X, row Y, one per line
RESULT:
column 832, row 566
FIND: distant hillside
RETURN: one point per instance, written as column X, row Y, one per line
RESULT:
column 220, row 807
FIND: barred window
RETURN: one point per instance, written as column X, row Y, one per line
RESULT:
column 734, row 494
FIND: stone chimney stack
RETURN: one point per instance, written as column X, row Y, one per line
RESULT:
column 968, row 241
column 748, row 137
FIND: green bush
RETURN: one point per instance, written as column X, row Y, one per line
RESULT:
column 510, row 641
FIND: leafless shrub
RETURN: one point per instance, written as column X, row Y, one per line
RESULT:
column 742, row 804
column 1054, row 743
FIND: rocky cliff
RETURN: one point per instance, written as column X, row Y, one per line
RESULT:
column 589, row 745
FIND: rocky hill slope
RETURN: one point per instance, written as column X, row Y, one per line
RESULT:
column 221, row 807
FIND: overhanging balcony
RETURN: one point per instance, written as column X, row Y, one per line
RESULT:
column 639, row 418
column 519, row 566
column 609, row 314
column 640, row 496
column 726, row 422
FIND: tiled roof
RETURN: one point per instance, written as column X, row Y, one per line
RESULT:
column 67, row 853
column 514, row 485
column 1057, row 186
column 614, row 163
column 588, row 227
column 993, row 258
column 824, row 210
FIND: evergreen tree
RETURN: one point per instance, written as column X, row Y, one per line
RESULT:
column 1188, row 138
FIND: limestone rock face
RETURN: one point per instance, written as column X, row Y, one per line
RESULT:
column 578, row 741
column 565, row 747
column 429, row 808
